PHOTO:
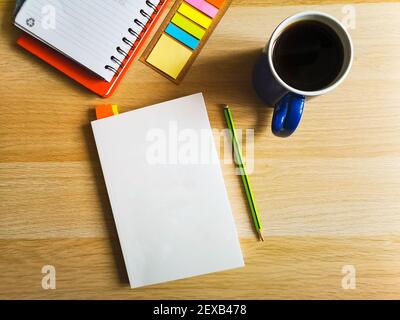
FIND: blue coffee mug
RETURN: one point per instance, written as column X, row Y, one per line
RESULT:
column 289, row 102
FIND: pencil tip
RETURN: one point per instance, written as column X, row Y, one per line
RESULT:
column 260, row 235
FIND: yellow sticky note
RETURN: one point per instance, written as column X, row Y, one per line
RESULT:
column 195, row 15
column 169, row 56
column 115, row 109
column 188, row 25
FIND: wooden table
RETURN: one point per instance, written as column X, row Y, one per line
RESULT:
column 329, row 195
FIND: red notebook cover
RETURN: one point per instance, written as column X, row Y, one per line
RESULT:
column 79, row 73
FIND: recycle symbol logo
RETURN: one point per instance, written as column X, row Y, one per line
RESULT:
column 30, row 22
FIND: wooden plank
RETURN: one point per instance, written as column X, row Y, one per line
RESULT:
column 280, row 268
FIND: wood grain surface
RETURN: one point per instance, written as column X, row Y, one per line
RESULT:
column 329, row 195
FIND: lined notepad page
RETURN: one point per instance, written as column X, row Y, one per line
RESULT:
column 87, row 31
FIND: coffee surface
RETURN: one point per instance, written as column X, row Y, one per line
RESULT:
column 308, row 55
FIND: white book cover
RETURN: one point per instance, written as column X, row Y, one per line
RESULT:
column 167, row 192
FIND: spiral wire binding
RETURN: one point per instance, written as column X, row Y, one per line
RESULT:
column 137, row 36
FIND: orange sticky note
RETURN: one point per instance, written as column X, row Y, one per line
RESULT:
column 106, row 110
column 217, row 3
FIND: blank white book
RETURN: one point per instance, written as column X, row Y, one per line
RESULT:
column 169, row 203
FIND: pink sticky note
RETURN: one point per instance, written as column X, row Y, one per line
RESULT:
column 204, row 6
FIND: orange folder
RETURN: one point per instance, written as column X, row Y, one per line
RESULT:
column 79, row 73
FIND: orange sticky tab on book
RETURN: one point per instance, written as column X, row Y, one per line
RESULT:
column 106, row 110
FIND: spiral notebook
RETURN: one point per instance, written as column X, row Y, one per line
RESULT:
column 92, row 41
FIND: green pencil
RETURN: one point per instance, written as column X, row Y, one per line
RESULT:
column 243, row 171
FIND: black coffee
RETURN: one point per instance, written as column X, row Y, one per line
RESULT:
column 308, row 55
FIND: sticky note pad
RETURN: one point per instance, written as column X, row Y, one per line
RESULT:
column 204, row 7
column 106, row 110
column 188, row 25
column 169, row 56
column 195, row 15
column 216, row 3
column 182, row 36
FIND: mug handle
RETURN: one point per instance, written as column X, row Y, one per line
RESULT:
column 287, row 114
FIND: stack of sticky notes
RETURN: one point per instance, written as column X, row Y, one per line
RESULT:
column 106, row 110
column 182, row 35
